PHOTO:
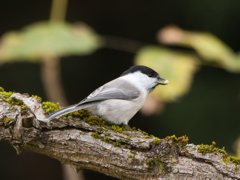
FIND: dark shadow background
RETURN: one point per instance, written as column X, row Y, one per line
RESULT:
column 210, row 111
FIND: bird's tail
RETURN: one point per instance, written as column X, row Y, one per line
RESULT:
column 66, row 110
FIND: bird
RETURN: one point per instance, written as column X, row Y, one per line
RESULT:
column 120, row 99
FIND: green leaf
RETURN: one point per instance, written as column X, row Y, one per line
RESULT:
column 178, row 68
column 48, row 39
column 208, row 46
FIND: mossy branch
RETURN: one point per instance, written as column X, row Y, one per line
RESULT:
column 85, row 141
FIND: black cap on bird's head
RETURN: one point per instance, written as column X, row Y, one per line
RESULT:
column 146, row 70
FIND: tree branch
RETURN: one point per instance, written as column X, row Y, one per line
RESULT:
column 122, row 154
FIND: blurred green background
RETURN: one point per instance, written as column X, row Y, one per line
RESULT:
column 201, row 101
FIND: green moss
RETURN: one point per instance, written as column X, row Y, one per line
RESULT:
column 37, row 97
column 125, row 127
column 149, row 162
column 156, row 141
column 116, row 128
column 236, row 168
column 1, row 89
column 107, row 140
column 145, row 137
column 7, row 121
column 213, row 149
column 126, row 140
column 180, row 141
column 12, row 108
column 183, row 140
column 95, row 120
column 132, row 152
column 23, row 107
column 139, row 130
column 95, row 135
column 13, row 101
column 133, row 129
column 234, row 159
column 132, row 157
column 225, row 155
column 208, row 148
column 145, row 133
column 82, row 113
column 50, row 107
column 156, row 160
column 226, row 159
column 173, row 137
column 188, row 155
column 6, row 98
column 6, row 94
column 101, row 122
column 160, row 165
column 117, row 144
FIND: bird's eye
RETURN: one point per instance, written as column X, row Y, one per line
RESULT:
column 149, row 75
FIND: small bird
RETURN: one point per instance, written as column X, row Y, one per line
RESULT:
column 120, row 99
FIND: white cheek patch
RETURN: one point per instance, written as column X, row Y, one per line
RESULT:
column 141, row 80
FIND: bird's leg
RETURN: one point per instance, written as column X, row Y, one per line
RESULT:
column 127, row 126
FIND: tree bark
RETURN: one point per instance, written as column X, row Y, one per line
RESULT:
column 72, row 142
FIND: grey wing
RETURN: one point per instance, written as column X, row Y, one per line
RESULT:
column 116, row 89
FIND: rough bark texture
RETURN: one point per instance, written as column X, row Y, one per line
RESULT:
column 71, row 142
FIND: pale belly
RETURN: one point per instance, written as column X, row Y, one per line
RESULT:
column 117, row 111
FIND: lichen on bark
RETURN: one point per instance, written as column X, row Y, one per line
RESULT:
column 87, row 142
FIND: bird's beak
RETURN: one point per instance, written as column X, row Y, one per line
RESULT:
column 162, row 81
